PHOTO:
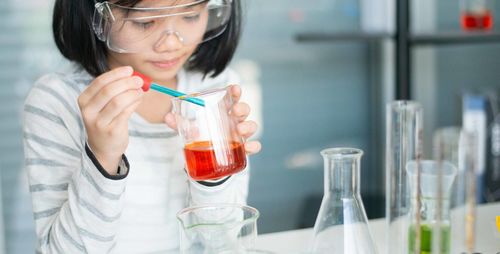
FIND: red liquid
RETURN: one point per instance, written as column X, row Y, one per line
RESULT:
column 203, row 163
column 471, row 21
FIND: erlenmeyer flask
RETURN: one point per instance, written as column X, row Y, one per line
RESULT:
column 341, row 225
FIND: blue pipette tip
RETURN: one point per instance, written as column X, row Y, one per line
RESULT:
column 177, row 94
column 148, row 84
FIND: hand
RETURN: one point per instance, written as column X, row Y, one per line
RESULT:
column 241, row 111
column 106, row 106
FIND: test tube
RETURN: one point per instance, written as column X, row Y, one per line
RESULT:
column 440, row 150
column 403, row 144
column 468, row 162
column 458, row 146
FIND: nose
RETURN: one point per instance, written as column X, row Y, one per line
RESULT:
column 169, row 41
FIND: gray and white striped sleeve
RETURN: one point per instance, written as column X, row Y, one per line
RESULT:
column 76, row 208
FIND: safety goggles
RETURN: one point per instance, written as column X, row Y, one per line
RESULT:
column 139, row 29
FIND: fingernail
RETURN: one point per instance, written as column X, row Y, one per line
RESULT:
column 127, row 70
column 138, row 81
column 243, row 130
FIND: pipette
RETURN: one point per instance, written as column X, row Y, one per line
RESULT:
column 148, row 84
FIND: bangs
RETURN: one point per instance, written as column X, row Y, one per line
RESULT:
column 133, row 3
column 127, row 3
column 131, row 8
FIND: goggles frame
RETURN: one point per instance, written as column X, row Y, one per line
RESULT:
column 103, row 18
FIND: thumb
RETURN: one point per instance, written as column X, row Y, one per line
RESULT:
column 170, row 121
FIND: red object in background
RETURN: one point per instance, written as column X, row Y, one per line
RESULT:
column 202, row 161
column 473, row 21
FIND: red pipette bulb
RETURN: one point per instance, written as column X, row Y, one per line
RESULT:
column 146, row 79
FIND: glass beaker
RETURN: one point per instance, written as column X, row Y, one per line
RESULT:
column 476, row 15
column 341, row 225
column 403, row 144
column 218, row 229
column 436, row 179
column 212, row 146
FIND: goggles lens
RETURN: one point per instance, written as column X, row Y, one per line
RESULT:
column 127, row 29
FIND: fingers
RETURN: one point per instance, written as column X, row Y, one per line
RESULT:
column 241, row 111
column 109, row 96
column 235, row 91
column 103, row 80
column 170, row 120
column 112, row 90
column 252, row 147
column 117, row 105
column 122, row 118
column 247, row 129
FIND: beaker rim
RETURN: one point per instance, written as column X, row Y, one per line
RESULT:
column 344, row 152
column 255, row 214
column 406, row 103
column 449, row 168
column 201, row 94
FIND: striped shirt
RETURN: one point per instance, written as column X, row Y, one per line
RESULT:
column 78, row 209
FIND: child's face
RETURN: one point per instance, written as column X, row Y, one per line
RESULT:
column 163, row 51
column 161, row 65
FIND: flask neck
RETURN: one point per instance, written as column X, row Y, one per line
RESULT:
column 342, row 168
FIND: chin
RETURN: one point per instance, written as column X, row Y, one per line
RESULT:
column 164, row 75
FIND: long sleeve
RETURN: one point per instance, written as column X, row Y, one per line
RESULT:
column 76, row 208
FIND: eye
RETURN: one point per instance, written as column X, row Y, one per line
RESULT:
column 143, row 24
column 191, row 18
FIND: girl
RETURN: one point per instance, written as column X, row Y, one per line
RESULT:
column 106, row 173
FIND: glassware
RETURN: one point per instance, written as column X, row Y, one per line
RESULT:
column 403, row 144
column 446, row 148
column 213, row 148
column 436, row 181
column 218, row 229
column 446, row 141
column 476, row 15
column 341, row 225
column 458, row 147
column 468, row 163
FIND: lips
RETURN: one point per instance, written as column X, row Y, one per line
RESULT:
column 166, row 64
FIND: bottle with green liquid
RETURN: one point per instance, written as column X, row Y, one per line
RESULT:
column 426, row 234
column 434, row 214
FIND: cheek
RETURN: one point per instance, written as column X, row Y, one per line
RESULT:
column 119, row 59
column 190, row 50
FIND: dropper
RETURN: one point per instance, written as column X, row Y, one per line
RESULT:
column 148, row 84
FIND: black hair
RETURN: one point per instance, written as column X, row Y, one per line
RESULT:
column 76, row 40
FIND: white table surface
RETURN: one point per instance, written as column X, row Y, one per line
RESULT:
column 296, row 241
